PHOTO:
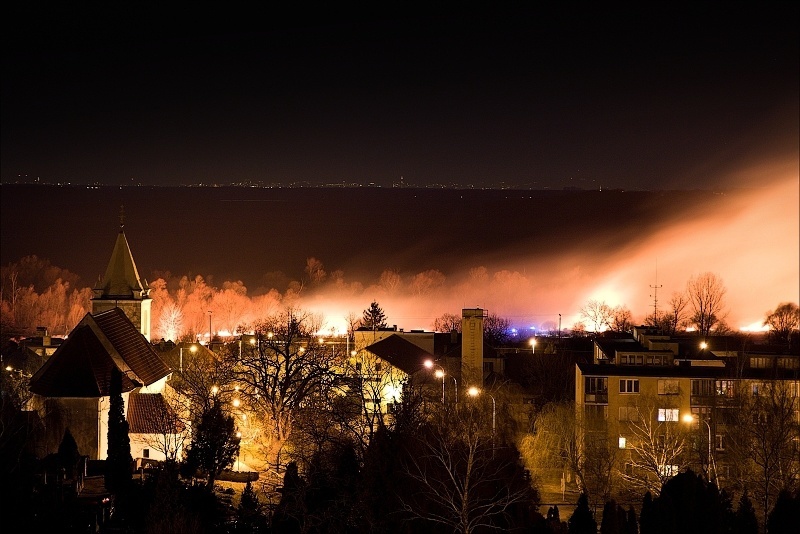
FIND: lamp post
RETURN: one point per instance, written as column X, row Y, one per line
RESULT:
column 439, row 373
column 193, row 348
column 474, row 392
column 533, row 345
column 691, row 419
column 239, row 452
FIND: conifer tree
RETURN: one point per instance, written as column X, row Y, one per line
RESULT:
column 581, row 521
column 214, row 444
column 119, row 463
column 68, row 454
column 784, row 516
column 746, row 521
column 631, row 523
column 609, row 524
column 374, row 318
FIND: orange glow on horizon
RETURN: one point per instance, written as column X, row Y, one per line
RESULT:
column 748, row 238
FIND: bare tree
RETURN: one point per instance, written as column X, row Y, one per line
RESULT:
column 288, row 366
column 783, row 320
column 315, row 271
column 206, row 376
column 657, row 444
column 447, row 322
column 496, row 330
column 598, row 313
column 675, row 317
column 390, row 280
column 706, row 294
column 621, row 319
column 170, row 322
column 763, row 439
column 575, row 442
column 462, row 483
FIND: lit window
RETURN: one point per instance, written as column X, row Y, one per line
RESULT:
column 622, row 442
column 667, row 414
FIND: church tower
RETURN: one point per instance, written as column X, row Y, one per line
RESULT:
column 121, row 287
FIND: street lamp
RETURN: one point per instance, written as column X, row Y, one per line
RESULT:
column 193, row 348
column 474, row 392
column 239, row 452
column 209, row 329
column 533, row 345
column 439, row 373
column 689, row 418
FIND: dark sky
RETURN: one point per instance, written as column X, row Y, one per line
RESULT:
column 669, row 96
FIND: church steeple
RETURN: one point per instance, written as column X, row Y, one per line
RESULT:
column 122, row 287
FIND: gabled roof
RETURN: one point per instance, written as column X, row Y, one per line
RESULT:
column 149, row 413
column 400, row 353
column 81, row 366
column 122, row 278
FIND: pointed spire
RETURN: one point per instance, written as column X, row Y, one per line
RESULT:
column 122, row 278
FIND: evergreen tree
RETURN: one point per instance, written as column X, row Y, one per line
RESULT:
column 119, row 463
column 288, row 513
column 374, row 318
column 647, row 517
column 746, row 521
column 250, row 513
column 214, row 444
column 785, row 516
column 68, row 454
column 609, row 524
column 631, row 524
column 581, row 521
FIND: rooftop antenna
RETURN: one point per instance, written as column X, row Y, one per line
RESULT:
column 655, row 289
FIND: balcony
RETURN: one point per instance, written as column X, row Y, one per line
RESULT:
column 596, row 398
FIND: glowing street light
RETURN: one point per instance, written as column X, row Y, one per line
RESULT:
column 438, row 374
column 533, row 345
column 689, row 419
column 193, row 349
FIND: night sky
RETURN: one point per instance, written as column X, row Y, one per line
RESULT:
column 675, row 96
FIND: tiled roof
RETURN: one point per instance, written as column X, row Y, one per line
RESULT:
column 400, row 353
column 81, row 367
column 149, row 413
column 131, row 345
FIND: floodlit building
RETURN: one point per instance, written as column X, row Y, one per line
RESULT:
column 649, row 387
column 72, row 386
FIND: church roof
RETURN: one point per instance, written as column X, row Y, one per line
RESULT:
column 122, row 278
column 149, row 413
column 82, row 365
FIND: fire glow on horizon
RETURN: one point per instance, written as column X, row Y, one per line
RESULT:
column 749, row 240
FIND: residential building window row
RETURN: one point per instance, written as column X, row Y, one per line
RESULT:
column 643, row 359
